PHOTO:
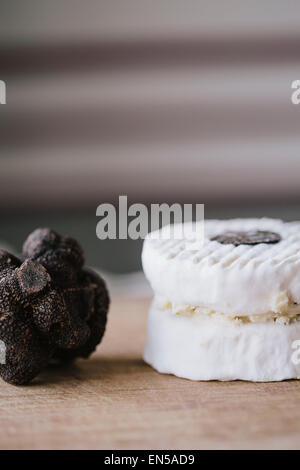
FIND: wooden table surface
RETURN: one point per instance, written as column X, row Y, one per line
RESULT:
column 115, row 401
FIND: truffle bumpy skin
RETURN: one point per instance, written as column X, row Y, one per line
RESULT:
column 78, row 302
column 26, row 353
column 49, row 306
column 63, row 257
column 94, row 301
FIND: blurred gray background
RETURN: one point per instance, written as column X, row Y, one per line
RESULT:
column 165, row 101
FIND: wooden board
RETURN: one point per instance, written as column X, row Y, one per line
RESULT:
column 115, row 401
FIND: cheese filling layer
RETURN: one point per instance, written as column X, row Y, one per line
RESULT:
column 290, row 314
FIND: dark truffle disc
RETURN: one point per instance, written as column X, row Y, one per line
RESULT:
column 251, row 237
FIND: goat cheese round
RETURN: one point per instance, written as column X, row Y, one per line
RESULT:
column 227, row 305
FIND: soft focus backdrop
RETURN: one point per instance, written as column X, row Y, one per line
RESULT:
column 165, row 101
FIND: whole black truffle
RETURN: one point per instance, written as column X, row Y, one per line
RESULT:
column 77, row 305
column 50, row 307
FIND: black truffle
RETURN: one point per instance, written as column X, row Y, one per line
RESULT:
column 50, row 307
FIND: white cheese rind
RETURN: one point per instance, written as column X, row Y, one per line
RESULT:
column 197, row 348
column 242, row 281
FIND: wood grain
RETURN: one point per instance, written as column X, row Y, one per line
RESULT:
column 115, row 401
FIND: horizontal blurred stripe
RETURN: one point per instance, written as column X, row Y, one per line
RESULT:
column 237, row 170
column 58, row 21
column 159, row 52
